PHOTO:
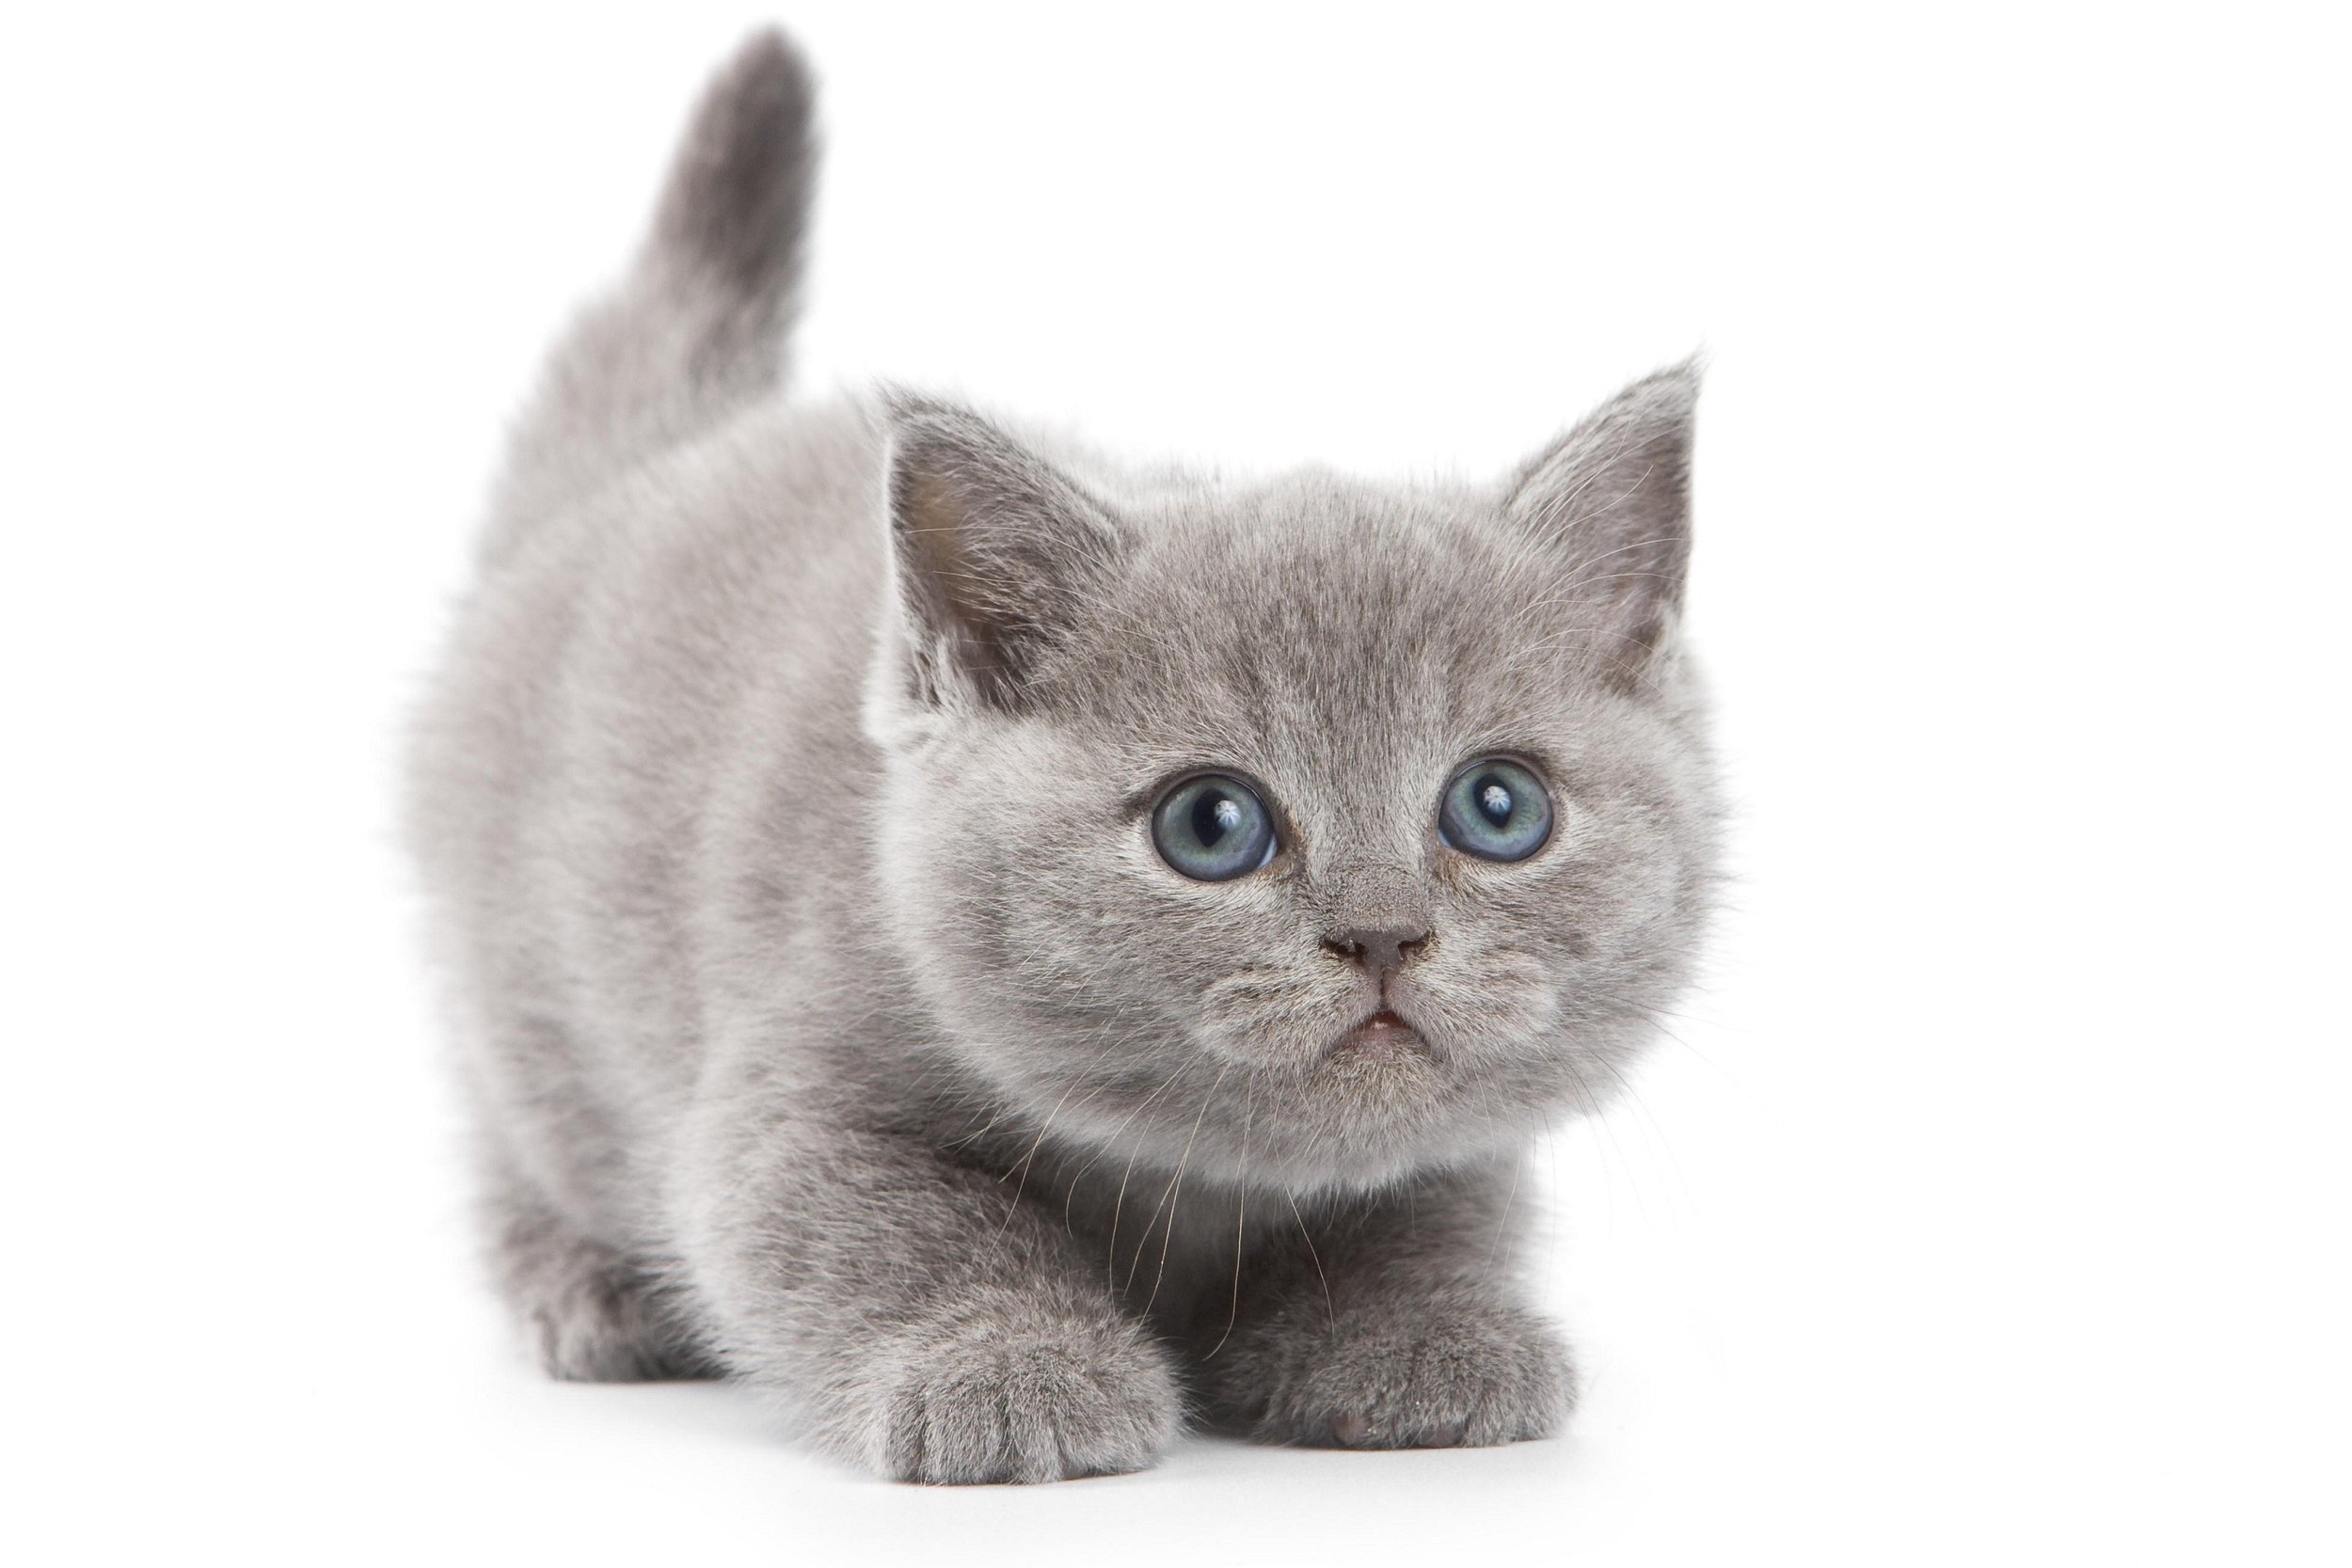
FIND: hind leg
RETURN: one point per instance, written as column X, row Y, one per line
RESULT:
column 587, row 1312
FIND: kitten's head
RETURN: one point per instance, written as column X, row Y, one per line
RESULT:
column 1327, row 830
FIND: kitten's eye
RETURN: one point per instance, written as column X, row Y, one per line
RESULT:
column 1213, row 828
column 1496, row 809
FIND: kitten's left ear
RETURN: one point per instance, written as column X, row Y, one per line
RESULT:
column 1615, row 494
column 993, row 550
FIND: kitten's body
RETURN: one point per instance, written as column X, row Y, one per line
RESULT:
column 829, row 1020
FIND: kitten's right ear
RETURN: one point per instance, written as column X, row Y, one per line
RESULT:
column 993, row 550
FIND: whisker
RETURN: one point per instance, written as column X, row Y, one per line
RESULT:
column 1110, row 1265
column 1029, row 1156
column 1176, row 1190
column 1329, row 1312
column 1503, row 1224
column 1241, row 1213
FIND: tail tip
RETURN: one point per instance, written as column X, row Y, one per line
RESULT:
column 739, row 191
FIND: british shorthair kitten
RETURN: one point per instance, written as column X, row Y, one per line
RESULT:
column 1009, row 954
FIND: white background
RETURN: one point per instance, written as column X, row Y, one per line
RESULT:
column 1988, row 1204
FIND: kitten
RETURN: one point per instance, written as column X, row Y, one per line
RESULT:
column 1009, row 955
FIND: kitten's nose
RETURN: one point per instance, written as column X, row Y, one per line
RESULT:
column 1382, row 950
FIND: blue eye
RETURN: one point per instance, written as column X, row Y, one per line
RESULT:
column 1213, row 828
column 1495, row 809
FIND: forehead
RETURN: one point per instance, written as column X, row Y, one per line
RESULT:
column 1354, row 632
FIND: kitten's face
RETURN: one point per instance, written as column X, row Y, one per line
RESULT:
column 1368, row 986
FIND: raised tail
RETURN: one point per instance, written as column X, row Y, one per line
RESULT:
column 697, row 327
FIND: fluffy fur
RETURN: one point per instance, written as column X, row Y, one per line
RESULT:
column 830, row 1020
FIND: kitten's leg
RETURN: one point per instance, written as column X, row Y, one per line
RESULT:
column 928, row 1324
column 1394, row 1324
column 587, row 1312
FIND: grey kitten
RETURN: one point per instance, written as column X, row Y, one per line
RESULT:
column 1007, row 954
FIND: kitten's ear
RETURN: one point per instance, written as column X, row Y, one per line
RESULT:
column 1615, row 494
column 993, row 549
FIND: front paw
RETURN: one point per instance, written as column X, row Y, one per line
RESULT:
column 1008, row 1400
column 1432, row 1376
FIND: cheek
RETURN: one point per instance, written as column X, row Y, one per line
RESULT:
column 1498, row 966
column 1621, row 886
column 1106, row 921
column 1231, row 963
column 1278, row 1004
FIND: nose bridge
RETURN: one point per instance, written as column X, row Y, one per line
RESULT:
column 1367, row 839
column 1367, row 870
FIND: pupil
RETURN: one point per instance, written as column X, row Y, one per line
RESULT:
column 1494, row 801
column 1215, row 817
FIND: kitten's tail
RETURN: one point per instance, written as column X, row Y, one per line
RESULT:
column 697, row 328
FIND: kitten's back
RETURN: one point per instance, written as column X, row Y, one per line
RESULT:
column 663, row 579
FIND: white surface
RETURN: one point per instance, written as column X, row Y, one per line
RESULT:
column 1989, row 1204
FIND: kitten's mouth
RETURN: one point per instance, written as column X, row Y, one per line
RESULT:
column 1385, row 1033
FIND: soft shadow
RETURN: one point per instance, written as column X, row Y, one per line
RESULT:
column 729, row 1415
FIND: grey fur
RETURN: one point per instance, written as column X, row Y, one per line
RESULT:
column 829, row 1018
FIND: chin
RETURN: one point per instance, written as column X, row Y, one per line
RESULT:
column 1360, row 1120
